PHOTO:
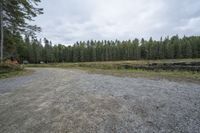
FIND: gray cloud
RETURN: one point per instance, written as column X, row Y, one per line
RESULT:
column 75, row 20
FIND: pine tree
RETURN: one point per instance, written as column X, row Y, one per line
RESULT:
column 14, row 15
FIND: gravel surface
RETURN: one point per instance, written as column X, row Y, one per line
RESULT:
column 63, row 100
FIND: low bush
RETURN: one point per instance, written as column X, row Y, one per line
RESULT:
column 5, row 67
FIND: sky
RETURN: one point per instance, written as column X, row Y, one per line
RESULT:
column 68, row 21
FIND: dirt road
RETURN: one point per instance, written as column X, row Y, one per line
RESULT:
column 59, row 100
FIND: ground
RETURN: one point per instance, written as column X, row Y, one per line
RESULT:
column 70, row 100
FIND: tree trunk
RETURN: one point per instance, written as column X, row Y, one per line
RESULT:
column 1, row 23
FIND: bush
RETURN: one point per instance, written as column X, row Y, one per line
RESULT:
column 4, row 67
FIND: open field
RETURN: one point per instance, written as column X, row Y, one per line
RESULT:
column 184, row 69
column 184, row 76
column 101, row 97
column 114, row 64
column 71, row 100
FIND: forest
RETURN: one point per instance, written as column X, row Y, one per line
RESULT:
column 19, row 41
column 36, row 50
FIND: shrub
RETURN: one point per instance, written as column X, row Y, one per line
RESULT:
column 5, row 67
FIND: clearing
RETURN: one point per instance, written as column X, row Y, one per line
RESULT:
column 70, row 100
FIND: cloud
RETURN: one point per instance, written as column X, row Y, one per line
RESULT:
column 74, row 20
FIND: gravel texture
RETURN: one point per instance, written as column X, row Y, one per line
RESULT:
column 66, row 100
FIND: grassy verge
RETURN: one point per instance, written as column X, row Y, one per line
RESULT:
column 161, row 74
column 115, row 64
column 14, row 73
column 119, row 68
column 11, row 70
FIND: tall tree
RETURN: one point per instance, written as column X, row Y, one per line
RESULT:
column 14, row 15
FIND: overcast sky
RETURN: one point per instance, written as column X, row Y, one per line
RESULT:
column 68, row 21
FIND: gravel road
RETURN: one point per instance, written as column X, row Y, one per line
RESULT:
column 55, row 100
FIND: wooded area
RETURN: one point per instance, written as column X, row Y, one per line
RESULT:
column 18, row 41
column 15, row 16
column 167, row 48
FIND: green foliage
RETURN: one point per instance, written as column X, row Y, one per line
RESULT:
column 170, row 48
column 10, row 70
column 10, row 67
column 17, row 12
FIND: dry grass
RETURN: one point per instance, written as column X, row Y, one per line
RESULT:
column 112, row 64
column 116, row 68
column 161, row 74
column 11, row 70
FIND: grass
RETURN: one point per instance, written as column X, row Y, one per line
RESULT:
column 14, row 73
column 117, row 68
column 112, row 64
column 12, row 70
column 161, row 74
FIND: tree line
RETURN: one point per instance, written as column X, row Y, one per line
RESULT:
column 17, row 39
column 35, row 51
